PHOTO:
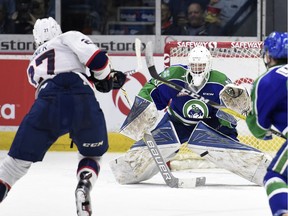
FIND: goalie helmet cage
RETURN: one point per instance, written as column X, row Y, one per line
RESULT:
column 242, row 63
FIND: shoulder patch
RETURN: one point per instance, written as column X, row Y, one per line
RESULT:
column 283, row 70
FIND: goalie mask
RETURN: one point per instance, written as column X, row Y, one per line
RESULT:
column 199, row 66
column 45, row 29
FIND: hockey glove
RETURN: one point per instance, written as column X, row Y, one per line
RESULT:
column 115, row 80
column 104, row 85
column 236, row 98
column 119, row 79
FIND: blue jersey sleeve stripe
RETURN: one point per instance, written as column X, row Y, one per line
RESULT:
column 98, row 61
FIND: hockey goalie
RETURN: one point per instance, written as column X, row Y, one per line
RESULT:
column 208, row 131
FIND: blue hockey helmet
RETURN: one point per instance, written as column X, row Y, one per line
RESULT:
column 277, row 45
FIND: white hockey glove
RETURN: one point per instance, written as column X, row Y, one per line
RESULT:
column 236, row 97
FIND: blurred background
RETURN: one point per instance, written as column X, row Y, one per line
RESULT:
column 157, row 20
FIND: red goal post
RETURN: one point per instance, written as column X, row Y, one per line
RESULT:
column 242, row 63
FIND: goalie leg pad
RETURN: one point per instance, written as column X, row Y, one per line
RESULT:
column 229, row 154
column 137, row 164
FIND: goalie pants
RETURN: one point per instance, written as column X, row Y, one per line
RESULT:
column 275, row 182
column 65, row 104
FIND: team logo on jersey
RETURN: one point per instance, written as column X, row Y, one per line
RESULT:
column 195, row 109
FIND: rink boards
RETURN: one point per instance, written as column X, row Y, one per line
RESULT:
column 117, row 142
column 121, row 143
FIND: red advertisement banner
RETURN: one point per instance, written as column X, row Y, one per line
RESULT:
column 16, row 94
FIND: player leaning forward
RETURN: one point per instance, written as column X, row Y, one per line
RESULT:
column 65, row 103
column 269, row 108
column 210, row 128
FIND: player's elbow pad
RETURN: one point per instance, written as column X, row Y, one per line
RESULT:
column 99, row 65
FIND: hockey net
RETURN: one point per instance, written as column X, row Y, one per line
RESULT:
column 242, row 63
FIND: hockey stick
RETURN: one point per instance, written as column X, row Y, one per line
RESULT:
column 155, row 75
column 168, row 177
column 138, row 54
column 138, row 69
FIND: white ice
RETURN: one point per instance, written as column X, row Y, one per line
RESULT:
column 48, row 190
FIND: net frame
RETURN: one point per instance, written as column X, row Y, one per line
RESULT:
column 222, row 49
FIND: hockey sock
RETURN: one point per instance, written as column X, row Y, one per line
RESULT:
column 88, row 165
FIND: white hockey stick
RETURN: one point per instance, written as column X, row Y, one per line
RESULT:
column 138, row 54
column 138, row 69
column 138, row 57
column 168, row 177
column 155, row 75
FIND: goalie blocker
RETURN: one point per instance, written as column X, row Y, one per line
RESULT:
column 141, row 118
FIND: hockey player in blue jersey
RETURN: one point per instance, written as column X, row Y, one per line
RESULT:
column 184, row 115
column 66, row 69
column 269, row 108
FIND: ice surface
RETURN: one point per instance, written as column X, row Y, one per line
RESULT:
column 48, row 190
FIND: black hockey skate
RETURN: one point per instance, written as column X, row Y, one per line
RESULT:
column 82, row 195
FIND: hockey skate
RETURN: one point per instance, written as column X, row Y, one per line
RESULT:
column 82, row 195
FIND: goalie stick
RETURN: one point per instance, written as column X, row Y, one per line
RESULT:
column 168, row 177
column 155, row 75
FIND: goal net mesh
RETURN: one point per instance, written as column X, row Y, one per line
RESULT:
column 242, row 63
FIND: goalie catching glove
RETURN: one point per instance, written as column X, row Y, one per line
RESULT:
column 115, row 80
column 236, row 98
